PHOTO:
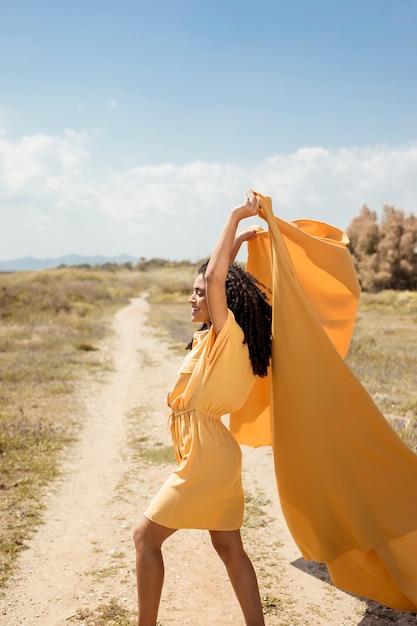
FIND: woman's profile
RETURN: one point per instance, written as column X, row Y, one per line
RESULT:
column 231, row 349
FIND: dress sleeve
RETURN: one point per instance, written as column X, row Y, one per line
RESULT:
column 230, row 332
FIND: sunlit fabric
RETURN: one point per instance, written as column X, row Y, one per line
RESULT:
column 205, row 490
column 347, row 483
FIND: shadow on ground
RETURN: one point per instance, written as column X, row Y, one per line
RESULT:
column 376, row 614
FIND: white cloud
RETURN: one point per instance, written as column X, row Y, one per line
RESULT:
column 40, row 164
column 168, row 189
column 52, row 196
column 332, row 185
column 112, row 104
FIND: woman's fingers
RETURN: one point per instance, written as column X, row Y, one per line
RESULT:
column 252, row 201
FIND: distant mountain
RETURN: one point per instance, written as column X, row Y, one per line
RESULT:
column 30, row 263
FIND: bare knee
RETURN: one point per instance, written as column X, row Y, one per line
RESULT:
column 150, row 536
column 139, row 536
column 227, row 544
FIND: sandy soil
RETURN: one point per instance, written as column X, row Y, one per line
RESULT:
column 82, row 557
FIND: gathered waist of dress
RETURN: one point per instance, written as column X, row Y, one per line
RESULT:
column 186, row 411
column 177, row 425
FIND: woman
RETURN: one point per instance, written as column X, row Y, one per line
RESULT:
column 205, row 491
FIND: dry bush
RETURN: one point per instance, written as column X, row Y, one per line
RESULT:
column 384, row 254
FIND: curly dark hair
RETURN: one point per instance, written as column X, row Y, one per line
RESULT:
column 247, row 300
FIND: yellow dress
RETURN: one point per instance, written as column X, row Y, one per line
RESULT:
column 347, row 483
column 205, row 490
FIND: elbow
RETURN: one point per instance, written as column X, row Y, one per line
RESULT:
column 214, row 277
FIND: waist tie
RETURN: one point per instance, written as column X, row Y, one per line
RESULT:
column 174, row 427
column 175, row 434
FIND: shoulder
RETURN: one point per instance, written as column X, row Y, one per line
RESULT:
column 230, row 328
column 228, row 342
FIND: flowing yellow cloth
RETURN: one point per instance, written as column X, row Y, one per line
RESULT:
column 347, row 483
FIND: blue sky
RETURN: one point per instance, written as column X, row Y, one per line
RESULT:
column 135, row 126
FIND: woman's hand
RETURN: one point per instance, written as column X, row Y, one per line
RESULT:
column 218, row 266
column 249, row 208
column 243, row 235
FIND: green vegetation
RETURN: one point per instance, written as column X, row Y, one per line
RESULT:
column 383, row 355
column 105, row 614
column 151, row 453
column 51, row 327
column 255, row 515
column 271, row 605
column 168, row 296
column 28, row 452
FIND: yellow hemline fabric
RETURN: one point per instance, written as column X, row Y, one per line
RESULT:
column 347, row 483
column 205, row 490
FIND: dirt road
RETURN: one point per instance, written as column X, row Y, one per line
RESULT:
column 80, row 564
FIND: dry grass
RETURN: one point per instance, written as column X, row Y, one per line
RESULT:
column 383, row 351
column 108, row 614
column 51, row 327
column 170, row 311
column 383, row 356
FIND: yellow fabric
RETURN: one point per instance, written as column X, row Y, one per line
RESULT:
column 322, row 265
column 347, row 483
column 205, row 490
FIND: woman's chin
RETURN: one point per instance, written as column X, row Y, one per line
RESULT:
column 197, row 319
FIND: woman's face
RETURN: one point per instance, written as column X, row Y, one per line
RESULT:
column 199, row 308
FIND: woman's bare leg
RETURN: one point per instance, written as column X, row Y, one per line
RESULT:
column 229, row 547
column 149, row 538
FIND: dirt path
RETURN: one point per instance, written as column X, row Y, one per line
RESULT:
column 82, row 558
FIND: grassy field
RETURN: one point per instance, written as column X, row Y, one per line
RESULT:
column 51, row 325
column 383, row 355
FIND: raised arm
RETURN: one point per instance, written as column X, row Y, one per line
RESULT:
column 243, row 235
column 221, row 257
